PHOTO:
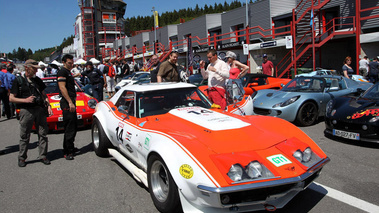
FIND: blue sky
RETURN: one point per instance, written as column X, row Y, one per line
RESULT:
column 39, row 24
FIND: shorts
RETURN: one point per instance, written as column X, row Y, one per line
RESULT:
column 110, row 84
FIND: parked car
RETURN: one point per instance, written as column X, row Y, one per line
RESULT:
column 354, row 117
column 331, row 72
column 304, row 99
column 134, row 78
column 85, row 105
column 193, row 157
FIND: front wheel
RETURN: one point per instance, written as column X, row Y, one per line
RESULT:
column 307, row 114
column 162, row 188
column 100, row 140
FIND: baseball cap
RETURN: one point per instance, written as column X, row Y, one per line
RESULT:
column 32, row 63
column 264, row 55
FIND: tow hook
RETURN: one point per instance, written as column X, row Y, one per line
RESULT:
column 270, row 207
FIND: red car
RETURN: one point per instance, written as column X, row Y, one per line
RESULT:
column 85, row 105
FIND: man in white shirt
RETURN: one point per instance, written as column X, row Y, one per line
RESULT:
column 41, row 72
column 363, row 66
column 217, row 72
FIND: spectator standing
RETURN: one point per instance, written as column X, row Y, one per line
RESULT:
column 373, row 70
column 41, row 72
column 363, row 66
column 267, row 66
column 216, row 72
column 28, row 93
column 154, row 68
column 9, row 78
column 110, row 73
column 96, row 78
column 125, row 69
column 168, row 70
column 2, row 90
column 237, row 70
column 347, row 70
column 5, row 87
column 3, row 68
column 67, row 91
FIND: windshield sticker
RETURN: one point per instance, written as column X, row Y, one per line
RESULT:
column 186, row 171
column 141, row 124
column 367, row 112
column 278, row 160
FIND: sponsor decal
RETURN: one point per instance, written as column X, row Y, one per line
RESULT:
column 367, row 112
column 60, row 118
column 55, row 98
column 55, row 105
column 278, row 160
column 146, row 145
column 121, row 125
column 128, row 136
column 79, row 103
column 141, row 124
column 186, row 171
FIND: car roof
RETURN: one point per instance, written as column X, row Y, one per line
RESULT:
column 157, row 86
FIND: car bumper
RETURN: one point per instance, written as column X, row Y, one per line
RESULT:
column 56, row 122
column 286, row 113
column 269, row 195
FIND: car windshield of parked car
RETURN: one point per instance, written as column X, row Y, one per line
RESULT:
column 334, row 84
column 52, row 86
column 162, row 101
column 251, row 80
column 129, row 76
column 303, row 84
column 372, row 93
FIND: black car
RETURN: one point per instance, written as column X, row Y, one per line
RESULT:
column 354, row 117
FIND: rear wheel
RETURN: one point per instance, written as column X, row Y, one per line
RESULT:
column 100, row 140
column 307, row 114
column 162, row 187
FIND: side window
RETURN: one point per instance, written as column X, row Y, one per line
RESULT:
column 125, row 104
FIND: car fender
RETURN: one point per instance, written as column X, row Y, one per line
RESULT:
column 185, row 169
column 100, row 115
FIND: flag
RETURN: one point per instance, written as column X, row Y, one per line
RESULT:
column 312, row 20
column 156, row 24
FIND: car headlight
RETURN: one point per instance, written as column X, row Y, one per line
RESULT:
column 303, row 157
column 92, row 103
column 329, row 106
column 374, row 119
column 287, row 102
column 254, row 169
column 235, row 172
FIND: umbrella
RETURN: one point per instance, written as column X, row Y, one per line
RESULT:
column 95, row 61
column 42, row 64
column 80, row 61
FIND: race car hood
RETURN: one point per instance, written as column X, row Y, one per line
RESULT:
column 218, row 132
column 350, row 108
column 271, row 97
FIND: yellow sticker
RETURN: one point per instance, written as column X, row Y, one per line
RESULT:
column 186, row 171
column 55, row 105
column 79, row 103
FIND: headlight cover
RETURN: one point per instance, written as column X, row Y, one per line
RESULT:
column 374, row 119
column 329, row 106
column 254, row 170
column 287, row 102
column 307, row 157
column 92, row 103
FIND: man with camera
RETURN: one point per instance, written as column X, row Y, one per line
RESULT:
column 28, row 94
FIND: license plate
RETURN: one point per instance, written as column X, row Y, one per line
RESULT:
column 344, row 134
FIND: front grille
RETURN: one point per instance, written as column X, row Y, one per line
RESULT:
column 254, row 194
column 260, row 111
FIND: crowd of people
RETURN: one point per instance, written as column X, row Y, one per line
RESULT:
column 368, row 68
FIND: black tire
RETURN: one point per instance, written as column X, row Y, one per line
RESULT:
column 100, row 140
column 162, row 188
column 307, row 114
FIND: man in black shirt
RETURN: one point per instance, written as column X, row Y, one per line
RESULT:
column 67, row 92
column 373, row 68
column 96, row 79
column 28, row 93
column 154, row 69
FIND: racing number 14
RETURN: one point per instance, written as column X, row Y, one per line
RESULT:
column 119, row 134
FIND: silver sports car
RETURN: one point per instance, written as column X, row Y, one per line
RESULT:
column 304, row 98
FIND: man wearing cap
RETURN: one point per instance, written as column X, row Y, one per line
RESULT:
column 217, row 72
column 29, row 95
column 66, row 84
column 267, row 66
column 96, row 78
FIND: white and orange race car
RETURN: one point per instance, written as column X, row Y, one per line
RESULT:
column 199, row 159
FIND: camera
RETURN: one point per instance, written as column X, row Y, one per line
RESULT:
column 39, row 101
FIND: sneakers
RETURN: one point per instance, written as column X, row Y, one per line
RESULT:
column 69, row 157
column 45, row 161
column 21, row 163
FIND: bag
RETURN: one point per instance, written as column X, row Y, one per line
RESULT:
column 111, row 71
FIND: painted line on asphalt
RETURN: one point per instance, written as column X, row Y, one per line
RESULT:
column 345, row 198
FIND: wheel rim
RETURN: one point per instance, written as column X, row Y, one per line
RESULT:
column 308, row 114
column 95, row 136
column 159, row 181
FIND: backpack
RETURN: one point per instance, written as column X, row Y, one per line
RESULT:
column 111, row 71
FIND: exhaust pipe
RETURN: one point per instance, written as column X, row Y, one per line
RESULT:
column 138, row 174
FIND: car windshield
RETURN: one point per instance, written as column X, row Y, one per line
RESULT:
column 248, row 80
column 162, row 101
column 52, row 86
column 304, row 84
column 372, row 93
